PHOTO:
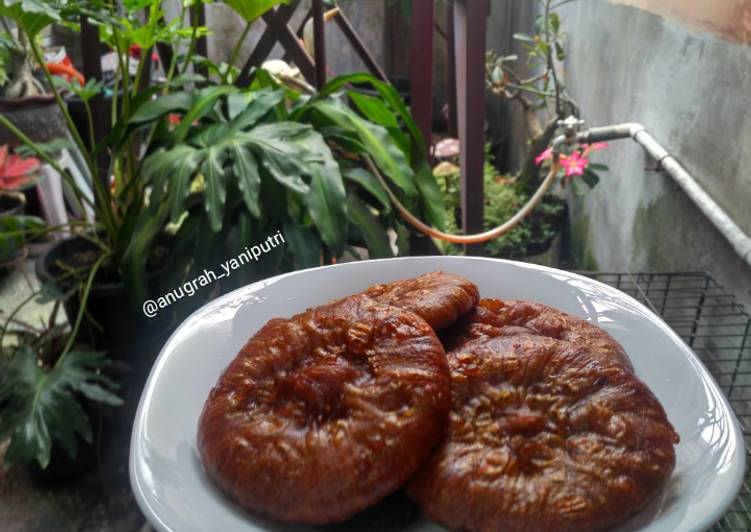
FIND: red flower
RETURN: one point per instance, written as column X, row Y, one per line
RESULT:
column 14, row 170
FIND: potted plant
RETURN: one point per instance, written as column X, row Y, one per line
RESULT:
column 197, row 171
column 24, row 99
column 536, row 239
column 48, row 389
column 544, row 101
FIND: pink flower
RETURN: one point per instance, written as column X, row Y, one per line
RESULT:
column 597, row 146
column 544, row 156
column 574, row 164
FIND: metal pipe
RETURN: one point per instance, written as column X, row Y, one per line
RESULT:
column 738, row 239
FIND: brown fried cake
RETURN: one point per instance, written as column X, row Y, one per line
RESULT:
column 325, row 413
column 492, row 317
column 437, row 297
column 549, row 429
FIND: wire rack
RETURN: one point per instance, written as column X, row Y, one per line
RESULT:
column 718, row 329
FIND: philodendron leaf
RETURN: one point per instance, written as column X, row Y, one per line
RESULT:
column 175, row 102
column 215, row 188
column 367, row 181
column 260, row 103
column 305, row 247
column 431, row 197
column 326, row 204
column 32, row 16
column 379, row 145
column 41, row 407
column 389, row 95
column 245, row 167
column 181, row 177
column 250, row 10
column 204, row 102
column 372, row 231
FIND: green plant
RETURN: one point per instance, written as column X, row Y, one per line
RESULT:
column 224, row 165
column 43, row 387
column 13, row 231
column 250, row 162
column 543, row 92
column 503, row 198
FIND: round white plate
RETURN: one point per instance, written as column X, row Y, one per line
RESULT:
column 175, row 495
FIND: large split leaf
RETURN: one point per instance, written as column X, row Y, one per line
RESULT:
column 375, row 139
column 43, row 407
column 252, row 9
column 372, row 231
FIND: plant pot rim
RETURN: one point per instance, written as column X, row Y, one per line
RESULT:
column 27, row 101
column 100, row 288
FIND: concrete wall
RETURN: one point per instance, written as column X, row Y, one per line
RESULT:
column 686, row 75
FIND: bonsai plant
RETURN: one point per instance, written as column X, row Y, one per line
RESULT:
column 503, row 198
column 24, row 99
column 544, row 100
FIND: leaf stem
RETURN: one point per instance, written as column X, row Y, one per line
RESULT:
column 82, row 307
column 236, row 51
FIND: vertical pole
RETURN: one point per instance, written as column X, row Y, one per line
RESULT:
column 451, row 40
column 421, row 66
column 469, row 27
column 319, row 36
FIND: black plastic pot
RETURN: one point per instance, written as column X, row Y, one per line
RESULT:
column 77, row 110
column 122, row 324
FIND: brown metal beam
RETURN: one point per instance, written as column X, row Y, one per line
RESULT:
column 319, row 44
column 469, row 49
column 277, row 30
column 453, row 128
column 421, row 66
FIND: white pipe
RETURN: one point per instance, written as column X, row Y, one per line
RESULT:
column 737, row 238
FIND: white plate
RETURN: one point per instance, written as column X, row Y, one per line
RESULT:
column 175, row 496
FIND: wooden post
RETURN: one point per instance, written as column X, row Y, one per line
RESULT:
column 451, row 39
column 469, row 49
column 421, row 66
column 319, row 48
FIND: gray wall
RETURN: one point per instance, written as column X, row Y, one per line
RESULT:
column 691, row 88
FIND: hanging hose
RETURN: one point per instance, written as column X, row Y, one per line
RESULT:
column 478, row 237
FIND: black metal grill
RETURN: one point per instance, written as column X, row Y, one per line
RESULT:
column 719, row 331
